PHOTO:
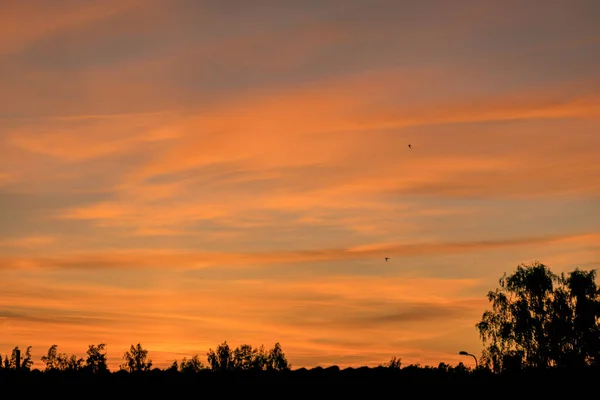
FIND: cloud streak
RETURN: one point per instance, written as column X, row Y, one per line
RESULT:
column 183, row 260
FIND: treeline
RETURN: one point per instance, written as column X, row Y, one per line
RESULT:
column 136, row 359
column 299, row 378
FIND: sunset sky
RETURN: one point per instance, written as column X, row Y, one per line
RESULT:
column 181, row 173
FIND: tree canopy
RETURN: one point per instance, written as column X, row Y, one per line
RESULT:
column 539, row 320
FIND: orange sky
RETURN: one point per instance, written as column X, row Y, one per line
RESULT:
column 182, row 173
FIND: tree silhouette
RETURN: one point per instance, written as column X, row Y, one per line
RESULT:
column 194, row 364
column 61, row 361
column 25, row 363
column 221, row 359
column 136, row 359
column 72, row 363
column 539, row 320
column 260, row 358
column 96, row 360
column 395, row 363
column 243, row 357
column 276, row 360
column 51, row 359
column 585, row 297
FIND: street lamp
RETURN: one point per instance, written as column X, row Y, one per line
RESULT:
column 464, row 353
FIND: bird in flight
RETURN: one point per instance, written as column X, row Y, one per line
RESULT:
column 386, row 259
column 409, row 146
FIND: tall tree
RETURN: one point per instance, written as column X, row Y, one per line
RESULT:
column 51, row 358
column 585, row 295
column 136, row 359
column 61, row 361
column 221, row 359
column 243, row 357
column 96, row 358
column 539, row 319
column 25, row 362
column 276, row 359
column 260, row 358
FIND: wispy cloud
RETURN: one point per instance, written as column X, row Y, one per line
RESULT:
column 51, row 19
column 27, row 242
column 185, row 260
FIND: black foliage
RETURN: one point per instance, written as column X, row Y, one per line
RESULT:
column 541, row 320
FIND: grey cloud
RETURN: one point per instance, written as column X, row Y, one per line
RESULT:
column 381, row 33
column 22, row 213
column 354, row 315
column 48, row 316
column 421, row 313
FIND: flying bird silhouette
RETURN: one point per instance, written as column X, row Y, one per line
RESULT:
column 386, row 259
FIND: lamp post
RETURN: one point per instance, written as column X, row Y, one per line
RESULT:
column 464, row 353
